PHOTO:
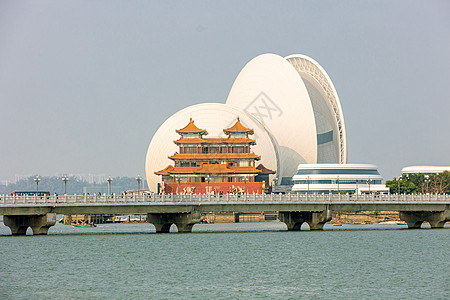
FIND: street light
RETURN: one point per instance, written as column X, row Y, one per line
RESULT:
column 37, row 183
column 368, row 182
column 138, row 179
column 109, row 184
column 399, row 179
column 427, row 180
column 178, row 179
column 337, row 184
column 308, row 183
column 65, row 179
column 274, row 182
column 245, row 178
column 208, row 179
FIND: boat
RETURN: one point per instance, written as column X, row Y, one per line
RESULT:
column 401, row 223
column 84, row 225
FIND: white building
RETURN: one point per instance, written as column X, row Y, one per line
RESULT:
column 426, row 170
column 332, row 178
column 295, row 98
column 215, row 117
column 290, row 103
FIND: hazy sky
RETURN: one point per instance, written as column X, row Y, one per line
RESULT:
column 84, row 85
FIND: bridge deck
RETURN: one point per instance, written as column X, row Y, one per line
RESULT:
column 112, row 204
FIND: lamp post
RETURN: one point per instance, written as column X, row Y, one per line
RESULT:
column 178, row 179
column 368, row 182
column 427, row 180
column 208, row 179
column 109, row 180
column 308, row 180
column 139, row 179
column 65, row 179
column 399, row 179
column 245, row 178
column 337, row 180
column 37, row 182
column 275, row 180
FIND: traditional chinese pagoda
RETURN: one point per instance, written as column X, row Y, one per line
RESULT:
column 215, row 165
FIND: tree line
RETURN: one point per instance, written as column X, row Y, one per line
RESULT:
column 75, row 185
column 420, row 183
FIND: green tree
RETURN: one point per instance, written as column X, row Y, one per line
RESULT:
column 416, row 183
column 392, row 185
column 440, row 183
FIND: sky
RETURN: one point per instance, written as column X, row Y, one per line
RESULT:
column 84, row 85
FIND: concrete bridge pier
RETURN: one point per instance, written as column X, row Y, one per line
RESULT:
column 414, row 219
column 163, row 221
column 38, row 223
column 295, row 219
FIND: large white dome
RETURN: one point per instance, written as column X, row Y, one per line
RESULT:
column 296, row 100
column 270, row 89
column 213, row 117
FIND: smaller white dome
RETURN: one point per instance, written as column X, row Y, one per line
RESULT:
column 214, row 118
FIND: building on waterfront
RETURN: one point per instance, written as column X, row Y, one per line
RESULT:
column 290, row 103
column 295, row 98
column 214, row 117
column 426, row 170
column 214, row 165
column 335, row 178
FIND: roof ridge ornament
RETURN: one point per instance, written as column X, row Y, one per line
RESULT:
column 238, row 127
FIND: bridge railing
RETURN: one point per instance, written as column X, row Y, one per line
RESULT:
column 205, row 198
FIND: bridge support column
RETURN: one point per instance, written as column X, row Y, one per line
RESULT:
column 184, row 221
column 414, row 219
column 295, row 219
column 38, row 223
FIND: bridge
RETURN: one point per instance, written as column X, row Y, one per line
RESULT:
column 39, row 213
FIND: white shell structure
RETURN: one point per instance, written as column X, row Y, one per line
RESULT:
column 330, row 126
column 424, row 170
column 296, row 100
column 270, row 89
column 214, row 118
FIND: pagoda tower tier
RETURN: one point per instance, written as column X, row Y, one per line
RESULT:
column 214, row 165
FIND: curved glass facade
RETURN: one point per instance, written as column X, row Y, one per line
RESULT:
column 336, row 178
column 337, row 172
column 335, row 182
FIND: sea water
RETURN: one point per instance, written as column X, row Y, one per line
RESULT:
column 226, row 261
